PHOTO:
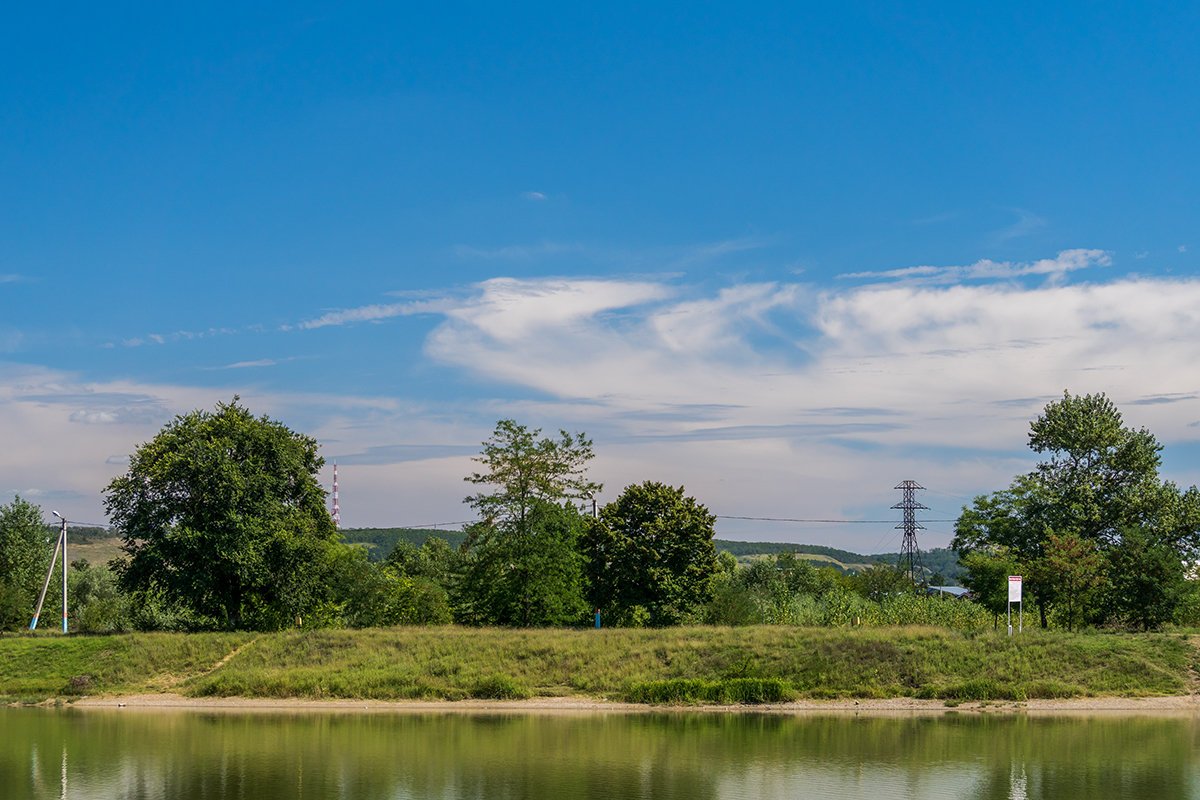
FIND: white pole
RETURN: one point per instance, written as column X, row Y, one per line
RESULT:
column 64, row 549
column 37, row 612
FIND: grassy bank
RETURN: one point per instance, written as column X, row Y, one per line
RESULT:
column 33, row 668
column 704, row 664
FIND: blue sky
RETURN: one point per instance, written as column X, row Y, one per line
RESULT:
column 785, row 255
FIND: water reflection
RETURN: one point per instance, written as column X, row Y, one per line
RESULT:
column 181, row 756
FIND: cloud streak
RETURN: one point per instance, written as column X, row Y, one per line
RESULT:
column 376, row 312
column 987, row 270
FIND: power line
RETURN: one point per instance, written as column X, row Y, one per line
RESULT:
column 717, row 516
column 830, row 521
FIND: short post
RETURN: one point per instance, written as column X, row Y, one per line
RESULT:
column 597, row 619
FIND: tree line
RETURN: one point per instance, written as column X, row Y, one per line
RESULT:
column 223, row 525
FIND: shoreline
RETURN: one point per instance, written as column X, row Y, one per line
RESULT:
column 1162, row 705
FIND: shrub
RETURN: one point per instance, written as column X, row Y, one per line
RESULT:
column 499, row 687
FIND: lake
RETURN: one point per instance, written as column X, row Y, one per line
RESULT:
column 181, row 755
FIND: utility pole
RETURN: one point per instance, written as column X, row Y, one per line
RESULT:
column 61, row 544
column 910, row 554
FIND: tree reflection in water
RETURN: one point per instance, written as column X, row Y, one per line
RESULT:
column 319, row 756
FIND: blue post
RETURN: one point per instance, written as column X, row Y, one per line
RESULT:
column 597, row 619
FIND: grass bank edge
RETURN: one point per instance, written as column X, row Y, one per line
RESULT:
column 698, row 665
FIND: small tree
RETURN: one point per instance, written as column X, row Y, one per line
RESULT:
column 529, row 581
column 1074, row 570
column 880, row 581
column 986, row 576
column 1148, row 581
column 651, row 552
column 24, row 558
column 525, row 568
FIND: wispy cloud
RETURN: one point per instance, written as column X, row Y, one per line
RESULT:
column 373, row 313
column 986, row 269
column 533, row 195
column 262, row 362
column 177, row 336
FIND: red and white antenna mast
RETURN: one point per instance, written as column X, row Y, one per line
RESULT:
column 337, row 514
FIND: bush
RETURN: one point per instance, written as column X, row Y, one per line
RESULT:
column 499, row 687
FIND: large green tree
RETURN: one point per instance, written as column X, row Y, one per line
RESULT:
column 650, row 556
column 222, row 516
column 524, row 567
column 1098, row 481
column 24, row 558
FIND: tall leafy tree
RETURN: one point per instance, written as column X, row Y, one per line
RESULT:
column 1098, row 481
column 650, row 554
column 524, row 568
column 221, row 515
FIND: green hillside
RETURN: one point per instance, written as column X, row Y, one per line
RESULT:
column 379, row 542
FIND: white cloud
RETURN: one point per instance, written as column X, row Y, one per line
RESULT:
column 932, row 382
column 986, row 269
column 508, row 308
column 533, row 195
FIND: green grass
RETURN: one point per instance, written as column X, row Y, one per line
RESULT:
column 685, row 665
column 36, row 667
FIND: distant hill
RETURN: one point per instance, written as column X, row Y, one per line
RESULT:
column 938, row 560
column 379, row 542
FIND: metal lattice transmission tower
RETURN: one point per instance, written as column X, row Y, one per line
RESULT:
column 910, row 554
column 337, row 513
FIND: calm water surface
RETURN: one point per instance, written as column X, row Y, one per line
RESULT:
column 93, row 755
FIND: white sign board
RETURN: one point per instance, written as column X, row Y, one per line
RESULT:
column 1014, row 588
